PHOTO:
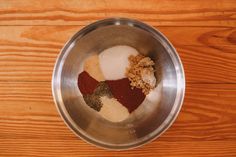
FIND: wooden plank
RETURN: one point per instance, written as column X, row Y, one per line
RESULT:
column 33, row 32
column 29, row 53
column 30, row 125
column 54, row 37
column 208, row 65
column 202, row 64
column 78, row 148
column 158, row 13
column 27, row 111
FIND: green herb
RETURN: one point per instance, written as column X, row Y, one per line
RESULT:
column 93, row 100
column 103, row 90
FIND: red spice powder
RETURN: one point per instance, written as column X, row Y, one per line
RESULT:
column 122, row 91
column 86, row 83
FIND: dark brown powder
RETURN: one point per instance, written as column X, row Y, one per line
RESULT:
column 130, row 97
column 86, row 83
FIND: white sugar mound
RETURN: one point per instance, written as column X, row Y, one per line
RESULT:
column 114, row 61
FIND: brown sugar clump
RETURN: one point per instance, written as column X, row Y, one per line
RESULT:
column 141, row 73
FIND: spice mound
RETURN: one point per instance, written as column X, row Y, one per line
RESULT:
column 116, row 82
column 141, row 73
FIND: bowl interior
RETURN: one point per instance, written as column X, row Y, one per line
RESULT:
column 151, row 118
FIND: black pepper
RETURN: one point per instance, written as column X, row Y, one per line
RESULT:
column 93, row 100
column 103, row 89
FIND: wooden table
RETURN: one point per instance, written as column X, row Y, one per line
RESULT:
column 33, row 32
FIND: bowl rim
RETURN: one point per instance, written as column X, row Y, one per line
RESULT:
column 180, row 94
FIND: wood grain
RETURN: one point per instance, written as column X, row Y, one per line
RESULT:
column 27, row 109
column 75, row 148
column 30, row 125
column 29, row 53
column 164, row 13
column 32, row 34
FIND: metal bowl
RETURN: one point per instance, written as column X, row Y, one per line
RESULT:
column 151, row 119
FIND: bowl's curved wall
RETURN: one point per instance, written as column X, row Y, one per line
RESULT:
column 137, row 130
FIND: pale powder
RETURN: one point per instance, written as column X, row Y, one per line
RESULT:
column 112, row 110
column 91, row 66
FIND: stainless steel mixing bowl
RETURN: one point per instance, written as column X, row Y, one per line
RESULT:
column 152, row 119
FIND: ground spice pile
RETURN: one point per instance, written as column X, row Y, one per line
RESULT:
column 129, row 97
column 92, row 90
column 113, row 89
column 141, row 73
column 93, row 100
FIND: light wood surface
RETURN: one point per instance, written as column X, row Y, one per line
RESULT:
column 33, row 32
